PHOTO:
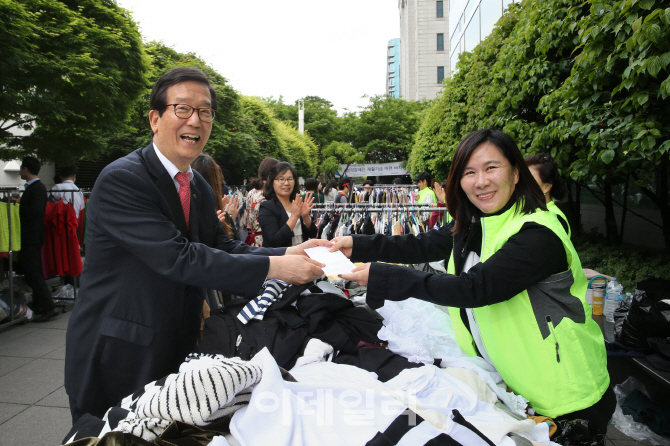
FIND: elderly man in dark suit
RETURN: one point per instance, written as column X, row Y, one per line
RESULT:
column 153, row 245
column 31, row 212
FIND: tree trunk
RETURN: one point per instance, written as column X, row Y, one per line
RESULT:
column 610, row 221
column 660, row 196
column 625, row 209
column 578, row 208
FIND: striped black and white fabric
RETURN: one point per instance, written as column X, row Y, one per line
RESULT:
column 256, row 308
column 208, row 388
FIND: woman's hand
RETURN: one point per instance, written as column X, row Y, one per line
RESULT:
column 221, row 216
column 344, row 244
column 296, row 206
column 224, row 201
column 233, row 207
column 441, row 195
column 360, row 274
column 307, row 207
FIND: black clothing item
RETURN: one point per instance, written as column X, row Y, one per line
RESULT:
column 645, row 411
column 326, row 220
column 276, row 234
column 598, row 415
column 223, row 331
column 529, row 256
column 286, row 329
column 333, row 226
column 384, row 363
column 31, row 212
column 368, row 227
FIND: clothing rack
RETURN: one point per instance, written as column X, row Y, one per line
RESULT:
column 367, row 205
column 6, row 193
column 404, row 208
column 390, row 186
column 72, row 191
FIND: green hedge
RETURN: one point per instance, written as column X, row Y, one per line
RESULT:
column 628, row 264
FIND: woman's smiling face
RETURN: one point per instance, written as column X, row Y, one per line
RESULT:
column 489, row 179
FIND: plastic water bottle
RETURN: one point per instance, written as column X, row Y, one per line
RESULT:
column 612, row 298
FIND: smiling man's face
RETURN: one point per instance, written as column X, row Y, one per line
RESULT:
column 182, row 140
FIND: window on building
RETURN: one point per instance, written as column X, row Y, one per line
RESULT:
column 440, row 74
column 491, row 11
column 472, row 4
column 440, row 8
column 454, row 59
column 440, row 42
column 472, row 32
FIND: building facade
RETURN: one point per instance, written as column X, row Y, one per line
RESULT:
column 470, row 21
column 393, row 71
column 424, row 47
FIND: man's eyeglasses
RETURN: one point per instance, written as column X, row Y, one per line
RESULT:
column 281, row 180
column 185, row 111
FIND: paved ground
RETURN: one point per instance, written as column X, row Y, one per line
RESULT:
column 33, row 404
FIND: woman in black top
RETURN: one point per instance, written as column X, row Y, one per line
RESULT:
column 284, row 216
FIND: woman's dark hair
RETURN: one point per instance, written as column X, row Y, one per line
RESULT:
column 256, row 183
column 344, row 181
column 548, row 170
column 211, row 172
column 368, row 183
column 332, row 184
column 277, row 170
column 312, row 184
column 264, row 168
column 527, row 194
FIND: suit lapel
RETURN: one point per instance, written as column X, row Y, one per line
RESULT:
column 283, row 216
column 166, row 187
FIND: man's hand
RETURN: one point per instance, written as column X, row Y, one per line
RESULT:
column 360, row 274
column 312, row 243
column 344, row 244
column 293, row 269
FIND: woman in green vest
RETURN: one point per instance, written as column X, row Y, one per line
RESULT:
column 515, row 288
column 426, row 194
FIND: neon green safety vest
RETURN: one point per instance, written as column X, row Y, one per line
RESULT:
column 551, row 206
column 426, row 191
column 543, row 341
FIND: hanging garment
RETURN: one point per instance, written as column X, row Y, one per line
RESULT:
column 4, row 228
column 61, row 245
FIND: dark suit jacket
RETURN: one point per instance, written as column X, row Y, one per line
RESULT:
column 31, row 212
column 273, row 217
column 138, row 311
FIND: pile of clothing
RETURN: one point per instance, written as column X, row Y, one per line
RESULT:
column 318, row 370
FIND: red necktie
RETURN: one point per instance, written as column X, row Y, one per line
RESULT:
column 183, row 178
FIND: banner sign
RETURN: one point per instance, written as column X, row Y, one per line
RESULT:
column 373, row 170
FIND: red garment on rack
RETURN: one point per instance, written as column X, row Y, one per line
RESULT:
column 61, row 245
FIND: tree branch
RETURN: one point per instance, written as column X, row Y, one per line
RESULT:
column 24, row 121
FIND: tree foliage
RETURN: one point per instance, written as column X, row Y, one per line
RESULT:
column 69, row 72
column 338, row 152
column 321, row 121
column 385, row 128
column 585, row 81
